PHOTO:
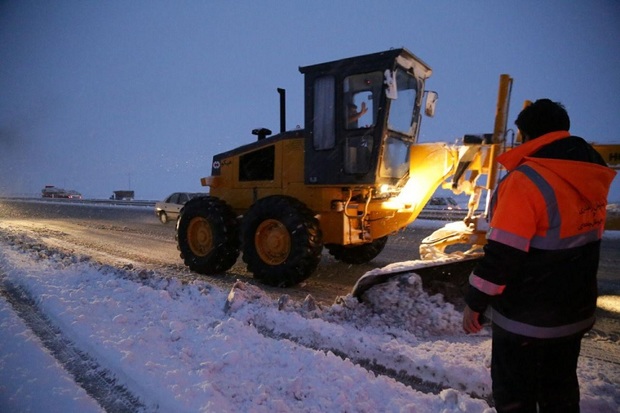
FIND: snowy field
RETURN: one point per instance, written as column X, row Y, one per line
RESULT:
column 156, row 345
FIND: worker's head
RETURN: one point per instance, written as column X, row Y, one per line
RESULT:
column 541, row 117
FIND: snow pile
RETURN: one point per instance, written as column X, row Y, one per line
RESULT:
column 193, row 347
column 402, row 303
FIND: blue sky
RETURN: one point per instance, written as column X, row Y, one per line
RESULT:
column 98, row 96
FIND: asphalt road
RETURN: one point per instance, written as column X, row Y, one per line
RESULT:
column 134, row 234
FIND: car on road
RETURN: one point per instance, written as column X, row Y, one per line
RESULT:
column 51, row 191
column 441, row 203
column 169, row 209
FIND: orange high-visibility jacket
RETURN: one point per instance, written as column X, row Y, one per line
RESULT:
column 547, row 219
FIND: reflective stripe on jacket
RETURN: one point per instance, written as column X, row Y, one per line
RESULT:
column 548, row 215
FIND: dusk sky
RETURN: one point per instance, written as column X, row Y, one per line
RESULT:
column 98, row 96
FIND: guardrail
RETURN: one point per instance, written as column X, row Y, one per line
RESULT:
column 434, row 214
column 443, row 214
column 136, row 203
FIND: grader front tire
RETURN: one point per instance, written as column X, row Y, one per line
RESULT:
column 208, row 235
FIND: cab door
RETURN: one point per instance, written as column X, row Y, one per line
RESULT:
column 346, row 129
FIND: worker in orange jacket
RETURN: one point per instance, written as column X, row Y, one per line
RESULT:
column 538, row 274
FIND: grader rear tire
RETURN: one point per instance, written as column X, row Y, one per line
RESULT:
column 282, row 241
column 208, row 235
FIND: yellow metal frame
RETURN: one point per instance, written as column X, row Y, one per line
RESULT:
column 610, row 153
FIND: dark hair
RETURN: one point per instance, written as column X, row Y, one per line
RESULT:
column 541, row 117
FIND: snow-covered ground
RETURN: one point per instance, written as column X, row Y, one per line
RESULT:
column 163, row 346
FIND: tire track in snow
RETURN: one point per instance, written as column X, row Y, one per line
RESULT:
column 97, row 381
column 402, row 376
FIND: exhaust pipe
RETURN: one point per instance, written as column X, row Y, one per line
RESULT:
column 282, row 93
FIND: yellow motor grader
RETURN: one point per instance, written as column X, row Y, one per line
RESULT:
column 354, row 175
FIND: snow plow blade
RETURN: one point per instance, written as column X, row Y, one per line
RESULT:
column 447, row 269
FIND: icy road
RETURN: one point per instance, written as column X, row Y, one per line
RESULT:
column 83, row 330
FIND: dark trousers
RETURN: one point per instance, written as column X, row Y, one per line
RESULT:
column 529, row 372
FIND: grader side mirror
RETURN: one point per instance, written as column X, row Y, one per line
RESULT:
column 431, row 100
column 390, row 84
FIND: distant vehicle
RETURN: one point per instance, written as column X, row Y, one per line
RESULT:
column 168, row 209
column 73, row 194
column 124, row 195
column 440, row 202
column 50, row 191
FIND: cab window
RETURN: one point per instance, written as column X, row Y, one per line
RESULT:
column 324, row 118
column 402, row 107
column 360, row 94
